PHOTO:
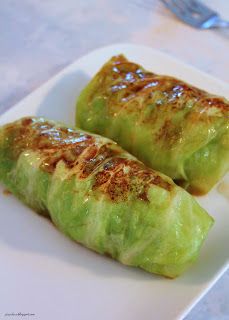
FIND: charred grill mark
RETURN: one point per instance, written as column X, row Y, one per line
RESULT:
column 102, row 177
column 112, row 180
column 112, row 164
column 61, row 144
column 169, row 133
column 95, row 158
column 68, row 155
column 130, row 80
column 158, row 181
column 117, row 177
column 180, row 88
column 215, row 102
column 63, row 147
column 54, row 143
column 119, row 184
column 26, row 121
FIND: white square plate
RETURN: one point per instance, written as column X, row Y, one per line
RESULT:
column 44, row 273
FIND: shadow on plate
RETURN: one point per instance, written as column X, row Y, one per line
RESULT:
column 60, row 101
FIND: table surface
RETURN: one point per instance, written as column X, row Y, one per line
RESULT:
column 39, row 38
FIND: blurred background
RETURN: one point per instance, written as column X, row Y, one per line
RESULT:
column 39, row 38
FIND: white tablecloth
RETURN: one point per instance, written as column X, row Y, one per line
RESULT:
column 39, row 38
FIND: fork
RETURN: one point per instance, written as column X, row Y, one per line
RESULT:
column 196, row 14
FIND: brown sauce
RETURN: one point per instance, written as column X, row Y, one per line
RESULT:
column 223, row 188
column 6, row 192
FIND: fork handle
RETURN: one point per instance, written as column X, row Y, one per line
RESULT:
column 219, row 23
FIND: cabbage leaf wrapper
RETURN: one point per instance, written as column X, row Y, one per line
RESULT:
column 101, row 196
column 166, row 123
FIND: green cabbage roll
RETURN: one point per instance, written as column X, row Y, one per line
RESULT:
column 101, row 196
column 168, row 124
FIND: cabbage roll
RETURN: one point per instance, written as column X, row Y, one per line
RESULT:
column 168, row 124
column 101, row 196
